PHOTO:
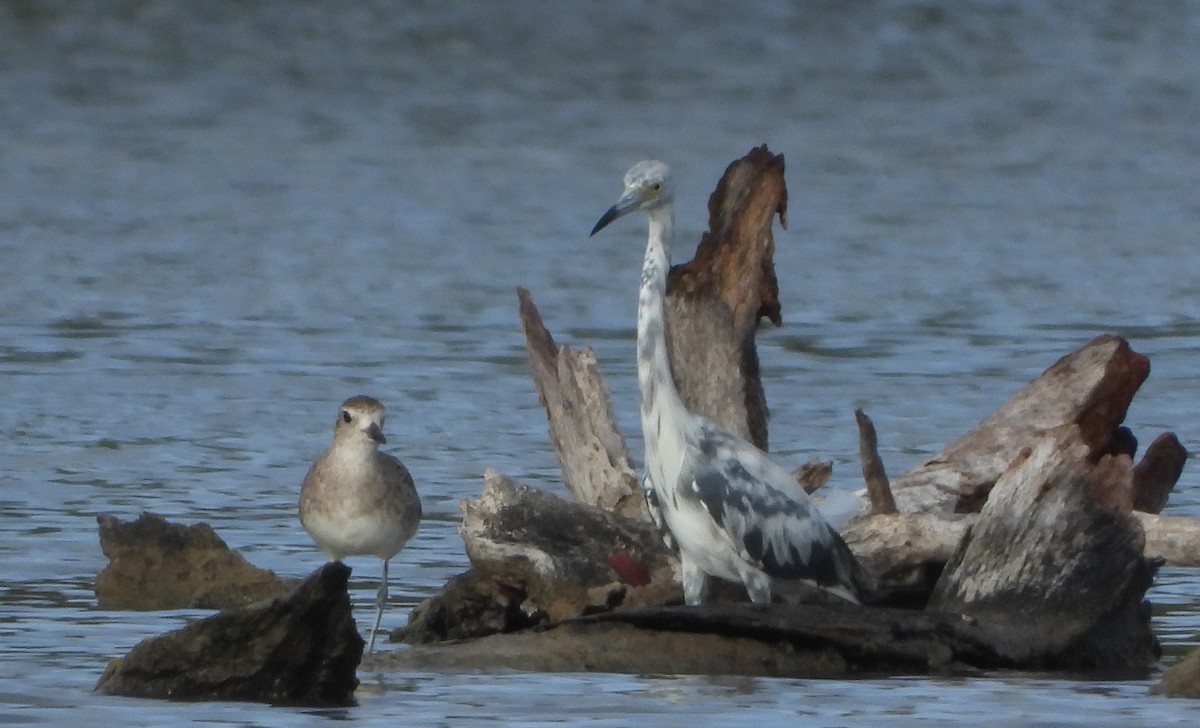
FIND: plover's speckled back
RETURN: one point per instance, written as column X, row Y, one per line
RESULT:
column 357, row 501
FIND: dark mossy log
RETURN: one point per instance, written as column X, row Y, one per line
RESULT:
column 591, row 452
column 715, row 300
column 1090, row 388
column 302, row 649
column 801, row 641
column 537, row 557
column 1053, row 566
column 559, row 540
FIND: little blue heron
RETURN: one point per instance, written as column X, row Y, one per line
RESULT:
column 733, row 512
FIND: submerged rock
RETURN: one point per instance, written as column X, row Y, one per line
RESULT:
column 302, row 649
column 155, row 564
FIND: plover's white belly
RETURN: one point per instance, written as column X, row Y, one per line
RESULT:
column 354, row 534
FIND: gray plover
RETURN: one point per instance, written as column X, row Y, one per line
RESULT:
column 358, row 501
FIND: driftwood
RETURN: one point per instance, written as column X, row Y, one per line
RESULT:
column 715, row 301
column 773, row 641
column 1032, row 592
column 591, row 452
column 1091, row 388
column 1057, row 541
column 879, row 492
column 560, row 545
column 537, row 558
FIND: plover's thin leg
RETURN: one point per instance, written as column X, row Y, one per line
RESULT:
column 380, row 603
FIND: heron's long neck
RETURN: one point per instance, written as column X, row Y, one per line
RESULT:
column 654, row 366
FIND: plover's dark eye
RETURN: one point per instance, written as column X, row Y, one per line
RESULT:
column 656, row 186
column 346, row 416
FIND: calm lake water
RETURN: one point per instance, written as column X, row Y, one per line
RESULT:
column 221, row 219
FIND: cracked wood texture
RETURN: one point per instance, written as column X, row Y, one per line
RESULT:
column 715, row 300
column 591, row 452
column 1053, row 567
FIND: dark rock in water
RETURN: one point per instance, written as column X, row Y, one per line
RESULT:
column 154, row 564
column 1181, row 680
column 302, row 649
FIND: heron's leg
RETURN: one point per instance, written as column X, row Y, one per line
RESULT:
column 380, row 603
column 656, row 515
column 758, row 585
column 695, row 581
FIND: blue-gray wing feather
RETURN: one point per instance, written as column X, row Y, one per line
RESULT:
column 781, row 534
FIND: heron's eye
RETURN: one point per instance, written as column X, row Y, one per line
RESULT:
column 656, row 186
column 346, row 416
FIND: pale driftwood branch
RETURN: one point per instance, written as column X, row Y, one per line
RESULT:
column 1174, row 539
column 879, row 492
column 1091, row 388
column 591, row 452
column 904, row 548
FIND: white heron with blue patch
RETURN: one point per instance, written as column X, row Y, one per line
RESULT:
column 732, row 511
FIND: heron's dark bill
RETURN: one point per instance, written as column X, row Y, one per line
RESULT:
column 376, row 434
column 613, row 213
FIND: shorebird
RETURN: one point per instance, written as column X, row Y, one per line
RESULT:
column 358, row 501
column 732, row 511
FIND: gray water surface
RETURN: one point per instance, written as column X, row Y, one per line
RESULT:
column 218, row 220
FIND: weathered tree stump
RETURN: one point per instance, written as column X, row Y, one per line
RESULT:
column 1053, row 566
column 715, row 300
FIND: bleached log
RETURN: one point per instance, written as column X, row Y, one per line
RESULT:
column 591, row 452
column 1174, row 539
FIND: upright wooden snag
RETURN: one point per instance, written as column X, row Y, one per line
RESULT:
column 715, row 300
